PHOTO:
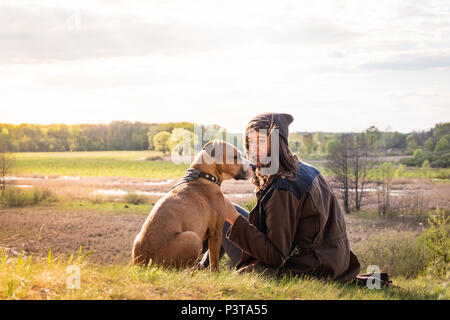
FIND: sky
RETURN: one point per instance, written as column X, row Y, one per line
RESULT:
column 335, row 66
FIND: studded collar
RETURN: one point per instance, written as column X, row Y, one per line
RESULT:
column 193, row 174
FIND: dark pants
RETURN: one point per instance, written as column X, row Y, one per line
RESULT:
column 228, row 247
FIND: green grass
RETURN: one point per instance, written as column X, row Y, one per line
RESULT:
column 17, row 197
column 29, row 278
column 126, row 164
column 97, row 163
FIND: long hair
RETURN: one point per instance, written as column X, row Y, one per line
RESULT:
column 288, row 161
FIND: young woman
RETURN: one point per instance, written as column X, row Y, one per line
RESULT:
column 297, row 225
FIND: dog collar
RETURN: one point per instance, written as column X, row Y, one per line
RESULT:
column 193, row 174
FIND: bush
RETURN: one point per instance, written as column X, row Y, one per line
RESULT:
column 442, row 161
column 436, row 240
column 400, row 253
column 154, row 158
column 134, row 198
column 17, row 197
column 410, row 162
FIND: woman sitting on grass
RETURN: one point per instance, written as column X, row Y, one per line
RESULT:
column 297, row 226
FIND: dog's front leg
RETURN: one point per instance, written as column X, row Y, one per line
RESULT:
column 214, row 242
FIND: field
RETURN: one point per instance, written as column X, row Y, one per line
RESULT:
column 100, row 200
column 96, row 164
column 132, row 164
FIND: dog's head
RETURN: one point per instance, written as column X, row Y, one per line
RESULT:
column 228, row 160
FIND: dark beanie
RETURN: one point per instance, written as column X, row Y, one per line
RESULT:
column 281, row 121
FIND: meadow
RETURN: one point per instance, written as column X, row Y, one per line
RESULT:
column 28, row 278
column 42, row 227
column 133, row 164
column 96, row 164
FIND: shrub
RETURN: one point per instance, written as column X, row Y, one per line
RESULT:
column 134, row 198
column 436, row 240
column 154, row 158
column 400, row 253
column 442, row 161
column 17, row 197
column 410, row 162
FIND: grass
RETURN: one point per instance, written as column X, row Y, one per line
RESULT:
column 97, row 163
column 398, row 253
column 32, row 278
column 17, row 197
column 131, row 164
column 50, row 278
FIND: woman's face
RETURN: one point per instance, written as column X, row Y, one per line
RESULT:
column 258, row 147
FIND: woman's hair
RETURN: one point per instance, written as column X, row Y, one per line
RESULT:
column 288, row 162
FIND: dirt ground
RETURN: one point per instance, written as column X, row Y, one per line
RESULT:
column 34, row 230
column 110, row 235
column 430, row 194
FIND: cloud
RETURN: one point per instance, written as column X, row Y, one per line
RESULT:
column 35, row 34
column 412, row 61
column 311, row 31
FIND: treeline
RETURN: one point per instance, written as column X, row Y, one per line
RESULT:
column 117, row 135
column 432, row 145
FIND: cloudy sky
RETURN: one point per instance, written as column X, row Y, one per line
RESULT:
column 338, row 65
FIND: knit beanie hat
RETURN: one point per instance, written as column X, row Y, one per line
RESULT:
column 266, row 120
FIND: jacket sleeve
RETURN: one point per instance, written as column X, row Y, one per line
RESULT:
column 281, row 221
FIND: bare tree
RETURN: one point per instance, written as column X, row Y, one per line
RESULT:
column 350, row 162
column 339, row 164
column 360, row 163
column 384, row 190
column 7, row 162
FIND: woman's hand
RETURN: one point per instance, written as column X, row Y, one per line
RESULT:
column 231, row 213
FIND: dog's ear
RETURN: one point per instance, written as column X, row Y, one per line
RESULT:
column 210, row 149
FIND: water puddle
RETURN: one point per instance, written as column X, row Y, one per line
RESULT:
column 13, row 178
column 121, row 192
column 148, row 183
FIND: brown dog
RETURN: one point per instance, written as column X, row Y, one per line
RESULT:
column 191, row 212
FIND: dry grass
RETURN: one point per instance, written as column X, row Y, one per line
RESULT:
column 50, row 278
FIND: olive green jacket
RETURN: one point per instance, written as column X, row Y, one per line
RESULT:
column 297, row 227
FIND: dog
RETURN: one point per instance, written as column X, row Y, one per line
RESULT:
column 192, row 211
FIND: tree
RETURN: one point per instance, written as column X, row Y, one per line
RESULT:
column 429, row 144
column 373, row 135
column 411, row 144
column 384, row 189
column 161, row 141
column 332, row 145
column 348, row 159
column 441, row 129
column 308, row 142
column 359, row 165
column 7, row 162
column 443, row 144
column 181, row 141
column 418, row 157
column 339, row 163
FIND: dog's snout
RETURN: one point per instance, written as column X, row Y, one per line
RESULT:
column 253, row 166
